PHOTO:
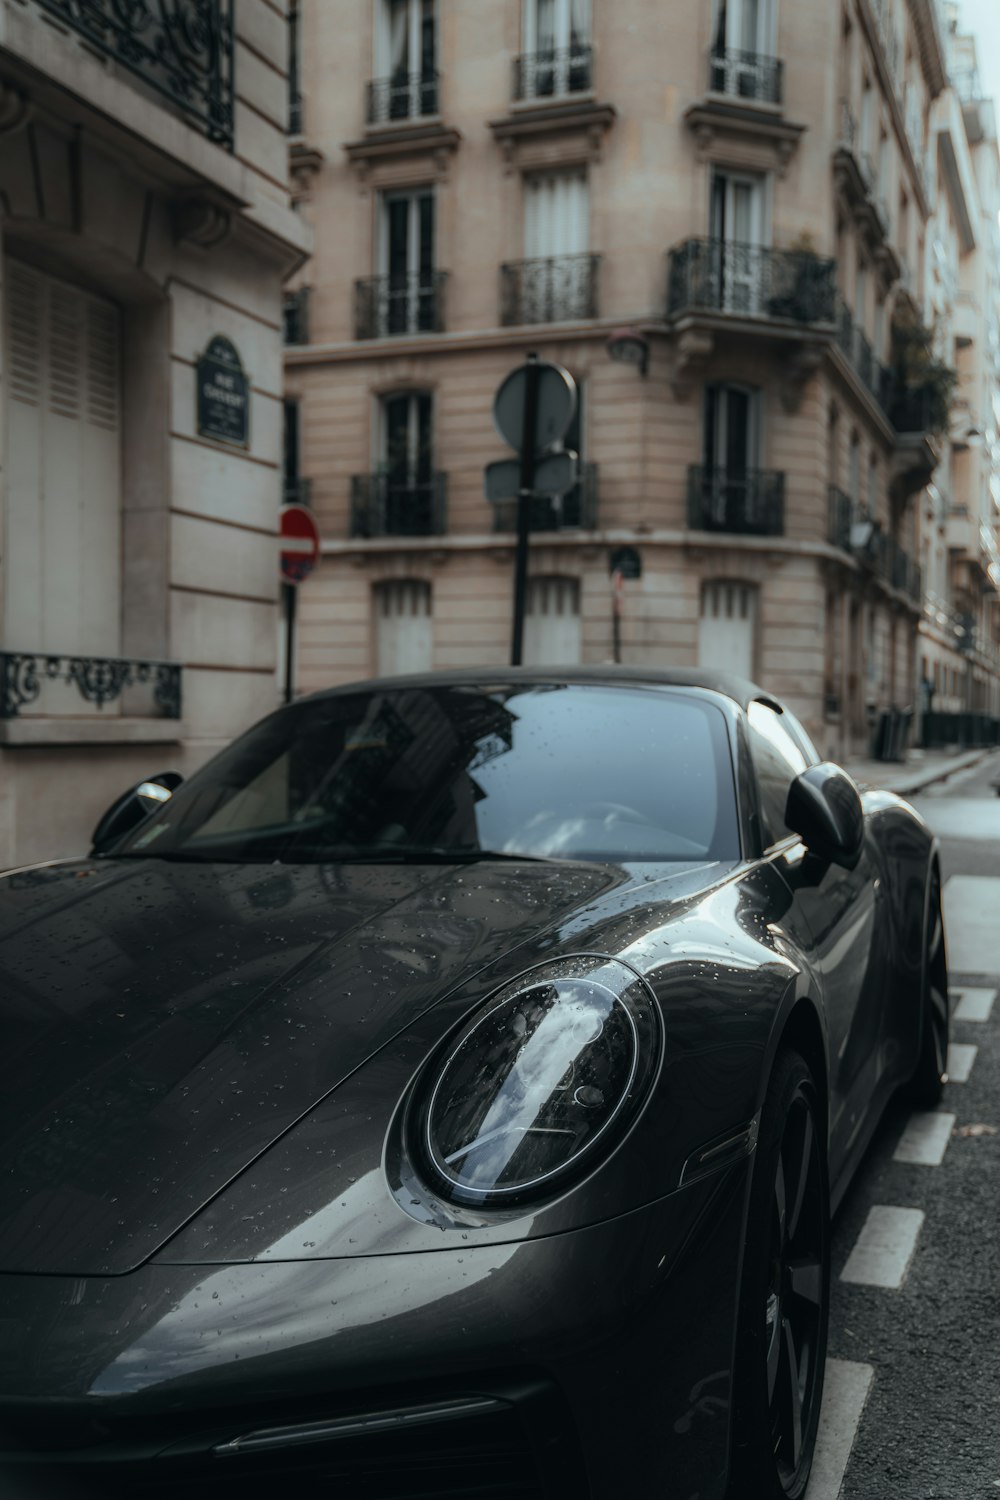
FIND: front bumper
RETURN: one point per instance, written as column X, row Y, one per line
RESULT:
column 595, row 1362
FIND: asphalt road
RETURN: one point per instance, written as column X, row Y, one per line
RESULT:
column 930, row 1426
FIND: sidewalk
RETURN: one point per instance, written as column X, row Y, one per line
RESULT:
column 921, row 768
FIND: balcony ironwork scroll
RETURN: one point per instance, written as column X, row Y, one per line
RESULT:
column 98, row 679
column 751, row 503
column 553, row 73
column 726, row 276
column 183, row 49
column 576, row 510
column 387, row 306
column 383, row 506
column 403, row 96
column 746, row 75
column 554, row 289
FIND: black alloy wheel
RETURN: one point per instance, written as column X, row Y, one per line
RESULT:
column 927, row 1084
column 785, row 1294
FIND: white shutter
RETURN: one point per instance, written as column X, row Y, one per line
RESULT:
column 63, row 450
column 727, row 627
column 404, row 628
column 552, row 622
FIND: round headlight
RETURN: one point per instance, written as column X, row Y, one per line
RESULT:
column 553, row 1066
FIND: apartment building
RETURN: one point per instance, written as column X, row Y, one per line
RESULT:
column 146, row 233
column 744, row 186
column 959, row 665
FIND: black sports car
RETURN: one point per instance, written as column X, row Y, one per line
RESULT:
column 445, row 1093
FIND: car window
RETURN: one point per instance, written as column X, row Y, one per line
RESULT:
column 798, row 734
column 777, row 760
column 568, row 771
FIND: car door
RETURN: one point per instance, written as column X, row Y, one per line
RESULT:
column 837, row 916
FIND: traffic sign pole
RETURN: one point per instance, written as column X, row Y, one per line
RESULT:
column 300, row 548
column 289, row 590
column 524, row 500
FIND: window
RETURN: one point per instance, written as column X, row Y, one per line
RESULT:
column 295, row 488
column 556, row 281
column 552, row 622
column 62, row 466
column 730, row 489
column 294, row 69
column 727, row 627
column 405, row 61
column 556, row 214
column 556, row 48
column 741, row 37
column 405, row 470
column 777, row 760
column 406, row 261
column 737, row 226
column 404, row 640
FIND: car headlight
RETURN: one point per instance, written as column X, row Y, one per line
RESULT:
column 553, row 1067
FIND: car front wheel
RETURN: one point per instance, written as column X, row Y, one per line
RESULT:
column 784, row 1296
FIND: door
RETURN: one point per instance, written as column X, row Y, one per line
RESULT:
column 406, row 257
column 556, row 277
column 403, row 626
column 727, row 627
column 405, row 60
column 406, row 464
column 839, row 917
column 62, row 543
column 730, row 491
column 737, row 231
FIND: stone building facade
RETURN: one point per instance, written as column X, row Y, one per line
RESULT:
column 745, row 186
column 147, row 231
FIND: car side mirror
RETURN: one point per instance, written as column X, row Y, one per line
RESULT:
column 825, row 810
column 130, row 810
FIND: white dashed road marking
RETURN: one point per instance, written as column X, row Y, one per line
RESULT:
column 925, row 1139
column 884, row 1247
column 973, row 1005
column 971, row 907
column 960, row 1060
column 845, row 1391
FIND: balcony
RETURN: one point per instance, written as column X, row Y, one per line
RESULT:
column 383, row 506
column 574, row 511
column 873, row 548
column 44, row 682
column 840, row 514
column 861, row 357
column 747, row 504
column 393, row 306
column 186, row 59
column 746, row 76
column 553, row 74
column 556, row 289
column 750, row 281
column 404, row 96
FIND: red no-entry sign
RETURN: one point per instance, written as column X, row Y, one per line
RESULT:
column 299, row 543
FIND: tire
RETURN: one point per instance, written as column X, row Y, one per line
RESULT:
column 784, row 1295
column 926, row 1087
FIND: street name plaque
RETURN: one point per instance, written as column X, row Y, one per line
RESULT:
column 223, row 394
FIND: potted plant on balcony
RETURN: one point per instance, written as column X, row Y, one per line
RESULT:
column 923, row 385
column 801, row 283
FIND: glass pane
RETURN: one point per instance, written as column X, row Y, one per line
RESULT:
column 737, row 433
column 778, row 760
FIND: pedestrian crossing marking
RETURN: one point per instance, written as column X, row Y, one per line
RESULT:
column 845, row 1390
column 925, row 1139
column 973, row 1005
column 885, row 1246
column 960, row 1059
column 971, row 916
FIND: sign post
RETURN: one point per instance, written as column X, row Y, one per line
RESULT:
column 532, row 411
column 299, row 554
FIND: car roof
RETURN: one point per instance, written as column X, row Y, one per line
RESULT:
column 740, row 689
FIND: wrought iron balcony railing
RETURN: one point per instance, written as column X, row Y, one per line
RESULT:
column 750, row 504
column 183, row 49
column 746, row 75
column 383, row 506
column 873, row 548
column 404, row 96
column 751, row 281
column 556, row 289
column 26, row 676
column 861, row 356
column 295, row 316
column 385, row 306
column 576, row 510
column 552, row 73
column 915, row 410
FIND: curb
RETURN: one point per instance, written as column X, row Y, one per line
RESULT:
column 942, row 773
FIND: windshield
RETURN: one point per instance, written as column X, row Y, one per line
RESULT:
column 589, row 772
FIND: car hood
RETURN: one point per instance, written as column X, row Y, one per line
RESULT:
column 164, row 1023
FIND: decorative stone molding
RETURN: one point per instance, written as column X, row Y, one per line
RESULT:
column 692, row 349
column 798, row 368
column 304, row 161
column 563, row 134
column 199, row 221
column 414, row 148
column 15, row 108
column 743, row 135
